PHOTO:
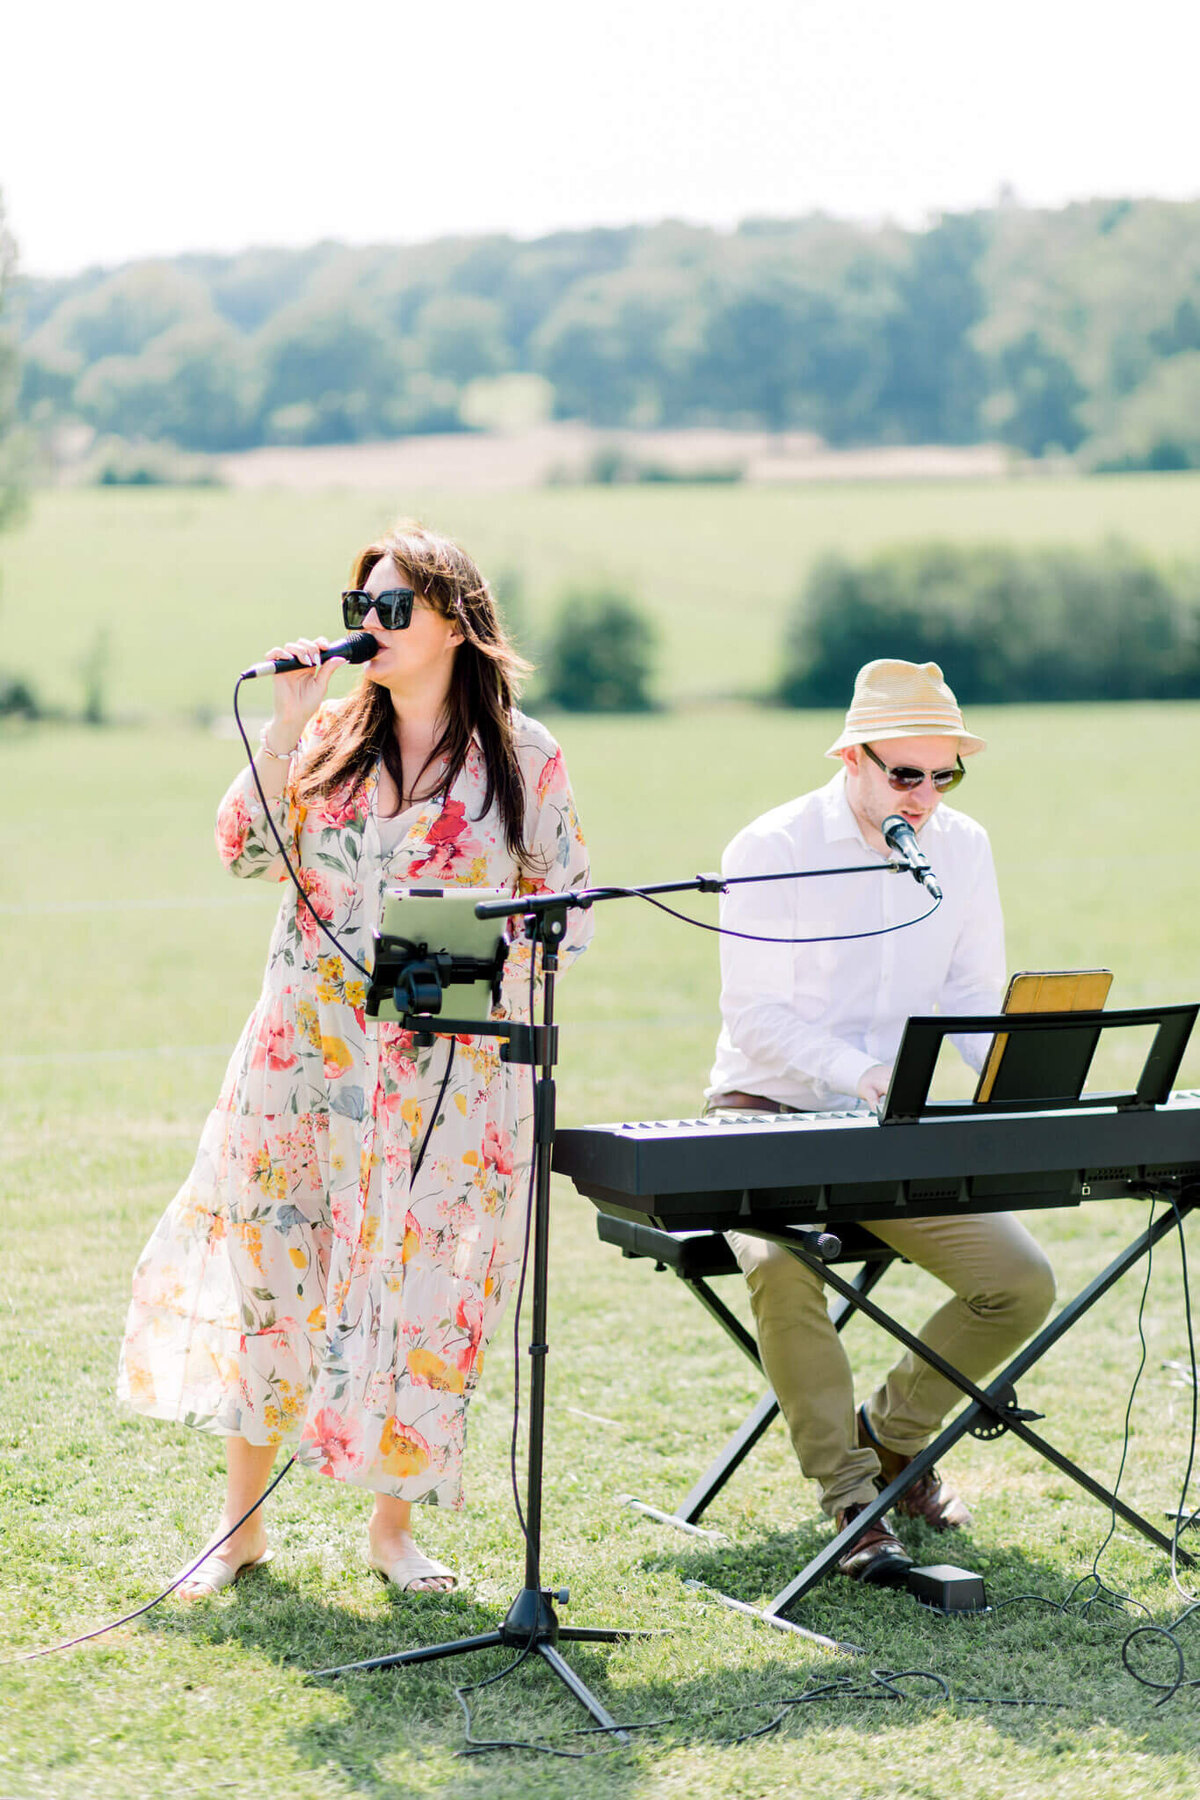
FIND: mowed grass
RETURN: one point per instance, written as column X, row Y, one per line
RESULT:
column 178, row 589
column 131, row 960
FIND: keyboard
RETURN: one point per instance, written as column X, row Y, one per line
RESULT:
column 720, row 1171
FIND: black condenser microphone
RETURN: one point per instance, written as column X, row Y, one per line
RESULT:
column 899, row 836
column 358, row 647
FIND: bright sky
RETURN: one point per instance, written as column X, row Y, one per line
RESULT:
column 144, row 127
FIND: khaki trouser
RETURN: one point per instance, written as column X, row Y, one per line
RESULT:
column 1002, row 1288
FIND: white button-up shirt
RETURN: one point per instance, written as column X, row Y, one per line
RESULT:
column 803, row 1022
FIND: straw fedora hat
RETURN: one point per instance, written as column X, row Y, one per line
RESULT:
column 895, row 699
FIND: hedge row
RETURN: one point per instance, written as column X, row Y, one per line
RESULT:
column 1006, row 624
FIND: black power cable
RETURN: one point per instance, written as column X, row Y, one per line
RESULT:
column 1166, row 1690
column 880, row 1685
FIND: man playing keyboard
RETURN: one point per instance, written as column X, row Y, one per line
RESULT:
column 815, row 1026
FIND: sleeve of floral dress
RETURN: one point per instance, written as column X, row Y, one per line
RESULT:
column 245, row 842
column 557, row 850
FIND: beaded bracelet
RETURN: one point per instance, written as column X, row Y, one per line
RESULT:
column 275, row 755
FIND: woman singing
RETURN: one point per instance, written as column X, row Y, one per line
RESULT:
column 303, row 1289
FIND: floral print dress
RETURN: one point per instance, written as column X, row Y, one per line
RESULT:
column 300, row 1289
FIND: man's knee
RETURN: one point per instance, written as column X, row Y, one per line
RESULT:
column 1024, row 1290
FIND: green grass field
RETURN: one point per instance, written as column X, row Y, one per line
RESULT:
column 184, row 587
column 131, row 960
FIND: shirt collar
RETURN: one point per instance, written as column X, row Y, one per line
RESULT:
column 838, row 821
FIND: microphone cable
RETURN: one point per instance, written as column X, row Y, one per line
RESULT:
column 275, row 833
column 335, row 941
column 751, row 937
column 85, row 1637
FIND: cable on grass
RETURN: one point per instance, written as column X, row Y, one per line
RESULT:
column 185, row 1575
column 1168, row 1689
column 1165, row 1689
column 480, row 1746
column 880, row 1685
column 1104, row 1595
column 1180, row 1521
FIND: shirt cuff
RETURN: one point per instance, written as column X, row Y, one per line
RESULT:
column 847, row 1070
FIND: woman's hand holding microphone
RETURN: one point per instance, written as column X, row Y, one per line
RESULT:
column 298, row 694
column 296, row 697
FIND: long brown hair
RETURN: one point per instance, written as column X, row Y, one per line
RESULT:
column 484, row 684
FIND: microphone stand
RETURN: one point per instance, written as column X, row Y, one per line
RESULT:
column 531, row 1623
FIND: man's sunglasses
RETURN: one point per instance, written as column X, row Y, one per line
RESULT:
column 904, row 780
column 393, row 608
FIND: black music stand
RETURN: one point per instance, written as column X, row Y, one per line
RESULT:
column 1045, row 1062
column 1055, row 1065
column 531, row 1624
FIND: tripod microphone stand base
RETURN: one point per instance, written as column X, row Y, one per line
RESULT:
column 531, row 1624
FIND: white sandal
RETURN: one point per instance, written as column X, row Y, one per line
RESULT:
column 411, row 1567
column 215, row 1573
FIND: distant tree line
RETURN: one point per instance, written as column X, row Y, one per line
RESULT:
column 1069, row 331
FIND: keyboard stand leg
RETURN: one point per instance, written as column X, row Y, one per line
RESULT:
column 737, row 1447
column 730, row 1457
column 989, row 1407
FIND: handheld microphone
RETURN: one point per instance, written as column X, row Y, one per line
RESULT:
column 358, row 647
column 899, row 836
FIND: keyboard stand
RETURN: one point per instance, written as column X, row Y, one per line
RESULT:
column 1050, row 1056
column 696, row 1258
column 994, row 1409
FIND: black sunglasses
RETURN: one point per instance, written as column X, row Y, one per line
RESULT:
column 905, row 780
column 393, row 608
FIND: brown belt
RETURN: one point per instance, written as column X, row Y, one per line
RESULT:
column 748, row 1103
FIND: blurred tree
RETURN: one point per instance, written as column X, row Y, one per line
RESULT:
column 1037, row 405
column 599, row 654
column 937, row 377
column 13, row 447
column 459, row 336
column 48, row 380
column 17, row 696
column 763, row 343
column 611, row 347
column 1158, row 425
column 193, row 386
column 248, row 290
column 336, row 359
column 125, row 312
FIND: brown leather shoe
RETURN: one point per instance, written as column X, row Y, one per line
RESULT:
column 929, row 1499
column 877, row 1557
